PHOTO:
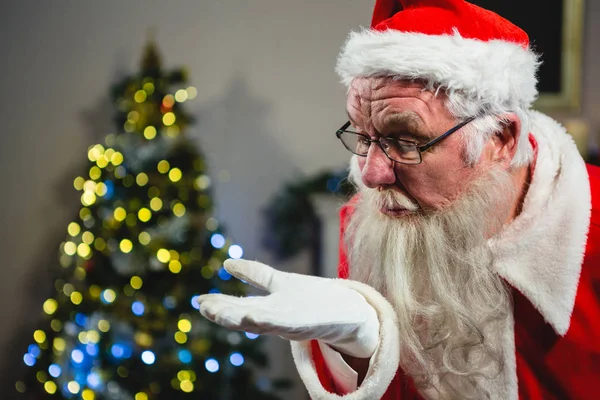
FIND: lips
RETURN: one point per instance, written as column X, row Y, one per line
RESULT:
column 394, row 212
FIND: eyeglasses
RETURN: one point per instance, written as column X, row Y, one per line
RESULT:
column 398, row 150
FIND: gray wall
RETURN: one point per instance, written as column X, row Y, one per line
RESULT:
column 268, row 105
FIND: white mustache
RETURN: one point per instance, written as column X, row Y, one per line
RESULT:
column 388, row 199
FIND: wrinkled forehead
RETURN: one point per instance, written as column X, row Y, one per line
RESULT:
column 405, row 100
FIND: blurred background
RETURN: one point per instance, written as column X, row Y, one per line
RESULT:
column 263, row 103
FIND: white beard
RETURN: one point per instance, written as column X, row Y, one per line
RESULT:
column 435, row 269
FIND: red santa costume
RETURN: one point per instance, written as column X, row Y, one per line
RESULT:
column 549, row 254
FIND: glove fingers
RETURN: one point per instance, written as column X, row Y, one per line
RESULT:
column 211, row 305
column 265, row 277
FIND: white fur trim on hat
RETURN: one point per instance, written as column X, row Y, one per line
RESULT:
column 500, row 74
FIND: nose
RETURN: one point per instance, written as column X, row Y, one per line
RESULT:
column 377, row 169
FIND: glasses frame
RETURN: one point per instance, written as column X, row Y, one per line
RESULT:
column 419, row 147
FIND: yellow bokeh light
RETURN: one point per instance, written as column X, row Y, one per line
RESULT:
column 70, row 248
column 144, row 214
column 56, row 325
column 126, row 245
column 136, row 282
column 41, row 376
column 184, row 375
column 100, row 244
column 181, row 95
column 163, row 255
column 169, row 119
column 117, row 158
column 174, row 255
column 108, row 154
column 87, row 237
column 179, row 209
column 168, row 101
column 89, row 186
column 102, row 162
column 141, row 179
column 95, row 291
column 173, row 131
column 143, row 339
column 163, row 166
column 59, row 344
column 153, row 191
column 78, row 183
column 122, row 372
column 95, row 173
column 85, row 213
column 129, row 126
column 83, row 337
column 184, row 325
column 180, row 337
column 120, row 172
column 93, row 336
column 109, row 295
column 175, row 174
column 202, row 182
column 83, row 250
column 79, row 273
column 104, row 325
column 120, row 213
column 141, row 396
column 88, row 198
column 50, row 306
column 140, row 96
column 101, row 189
column 39, row 336
column 144, row 238
column 192, row 92
column 187, row 386
column 156, row 204
column 73, row 387
column 148, row 87
column 68, row 289
column 207, row 272
column 128, row 290
column 88, row 394
column 76, row 298
column 175, row 266
column 93, row 154
column 150, row 132
column 50, row 387
column 133, row 116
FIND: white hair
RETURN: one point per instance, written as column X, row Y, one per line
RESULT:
column 435, row 267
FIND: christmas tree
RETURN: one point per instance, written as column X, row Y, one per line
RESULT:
column 123, row 322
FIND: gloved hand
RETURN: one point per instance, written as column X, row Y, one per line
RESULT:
column 299, row 307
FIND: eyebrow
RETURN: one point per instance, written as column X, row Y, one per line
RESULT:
column 409, row 122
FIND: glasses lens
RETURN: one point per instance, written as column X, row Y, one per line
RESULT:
column 356, row 143
column 400, row 151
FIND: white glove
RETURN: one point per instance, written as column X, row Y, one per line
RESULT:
column 299, row 307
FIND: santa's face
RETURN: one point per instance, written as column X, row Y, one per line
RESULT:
column 384, row 107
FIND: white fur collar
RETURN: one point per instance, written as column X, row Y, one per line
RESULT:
column 540, row 253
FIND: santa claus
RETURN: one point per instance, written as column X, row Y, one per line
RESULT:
column 470, row 255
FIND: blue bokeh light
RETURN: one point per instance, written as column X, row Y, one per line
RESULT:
column 211, row 365
column 251, row 336
column 34, row 350
column 91, row 349
column 236, row 251
column 236, row 359
column 117, row 350
column 80, row 319
column 93, row 380
column 77, row 356
column 185, row 356
column 214, row 290
column 217, row 240
column 170, row 302
column 138, row 308
column 223, row 274
column 110, row 189
column 54, row 370
column 148, row 357
column 29, row 360
column 194, row 302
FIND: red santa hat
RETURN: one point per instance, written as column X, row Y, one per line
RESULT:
column 450, row 44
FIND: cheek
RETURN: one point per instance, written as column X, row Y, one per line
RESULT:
column 434, row 185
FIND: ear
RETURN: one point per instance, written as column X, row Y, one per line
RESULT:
column 504, row 143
